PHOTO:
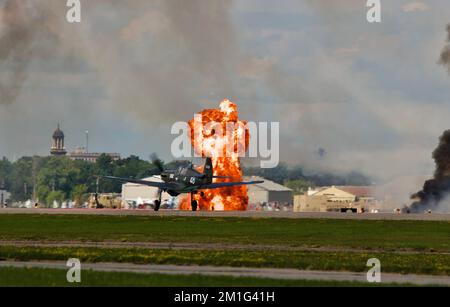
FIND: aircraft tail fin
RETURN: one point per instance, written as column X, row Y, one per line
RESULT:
column 208, row 169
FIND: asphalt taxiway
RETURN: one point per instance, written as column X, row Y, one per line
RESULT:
column 248, row 214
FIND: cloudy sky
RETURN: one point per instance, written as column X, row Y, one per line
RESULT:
column 372, row 95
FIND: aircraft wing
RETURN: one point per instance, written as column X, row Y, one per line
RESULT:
column 160, row 185
column 226, row 184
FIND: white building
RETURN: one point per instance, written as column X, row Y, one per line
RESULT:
column 81, row 153
column 4, row 196
column 142, row 194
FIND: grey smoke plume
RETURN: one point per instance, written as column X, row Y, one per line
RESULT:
column 209, row 36
column 192, row 55
column 146, row 64
column 435, row 192
column 445, row 54
column 149, row 63
column 169, row 53
column 16, row 37
column 29, row 30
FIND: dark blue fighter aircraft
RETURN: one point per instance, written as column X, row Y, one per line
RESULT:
column 185, row 180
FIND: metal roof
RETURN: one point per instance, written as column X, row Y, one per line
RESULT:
column 359, row 191
column 267, row 185
column 151, row 179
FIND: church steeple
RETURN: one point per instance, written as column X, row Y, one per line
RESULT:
column 58, row 148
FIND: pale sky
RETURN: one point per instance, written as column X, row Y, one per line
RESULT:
column 372, row 95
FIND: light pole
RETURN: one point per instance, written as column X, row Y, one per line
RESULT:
column 87, row 141
column 2, row 197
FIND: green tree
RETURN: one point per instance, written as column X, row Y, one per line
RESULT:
column 299, row 186
column 21, row 181
column 42, row 192
column 58, row 196
column 5, row 171
column 79, row 193
column 105, row 165
column 58, row 174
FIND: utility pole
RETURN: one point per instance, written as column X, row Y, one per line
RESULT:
column 2, row 198
column 34, row 175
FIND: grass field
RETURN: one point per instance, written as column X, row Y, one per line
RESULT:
column 435, row 264
column 33, row 277
column 385, row 235
column 419, row 247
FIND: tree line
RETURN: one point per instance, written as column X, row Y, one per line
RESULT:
column 59, row 178
column 299, row 180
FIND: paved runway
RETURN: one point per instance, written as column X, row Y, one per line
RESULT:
column 249, row 214
column 291, row 274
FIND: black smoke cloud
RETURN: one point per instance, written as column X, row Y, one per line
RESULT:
column 435, row 192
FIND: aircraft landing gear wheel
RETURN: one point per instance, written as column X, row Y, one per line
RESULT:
column 157, row 205
column 194, row 205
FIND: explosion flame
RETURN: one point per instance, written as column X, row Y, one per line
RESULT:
column 220, row 135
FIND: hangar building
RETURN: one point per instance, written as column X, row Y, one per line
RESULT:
column 138, row 193
column 268, row 192
column 337, row 198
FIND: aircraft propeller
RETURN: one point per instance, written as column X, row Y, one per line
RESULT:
column 158, row 163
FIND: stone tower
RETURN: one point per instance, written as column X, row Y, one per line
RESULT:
column 58, row 148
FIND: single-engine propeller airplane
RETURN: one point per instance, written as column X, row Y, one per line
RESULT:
column 184, row 180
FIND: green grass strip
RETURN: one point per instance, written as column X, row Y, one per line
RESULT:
column 362, row 234
column 436, row 264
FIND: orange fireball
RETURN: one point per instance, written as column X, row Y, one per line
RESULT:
column 219, row 134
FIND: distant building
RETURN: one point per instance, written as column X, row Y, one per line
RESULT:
column 58, row 148
column 337, row 198
column 142, row 194
column 83, row 155
column 268, row 192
